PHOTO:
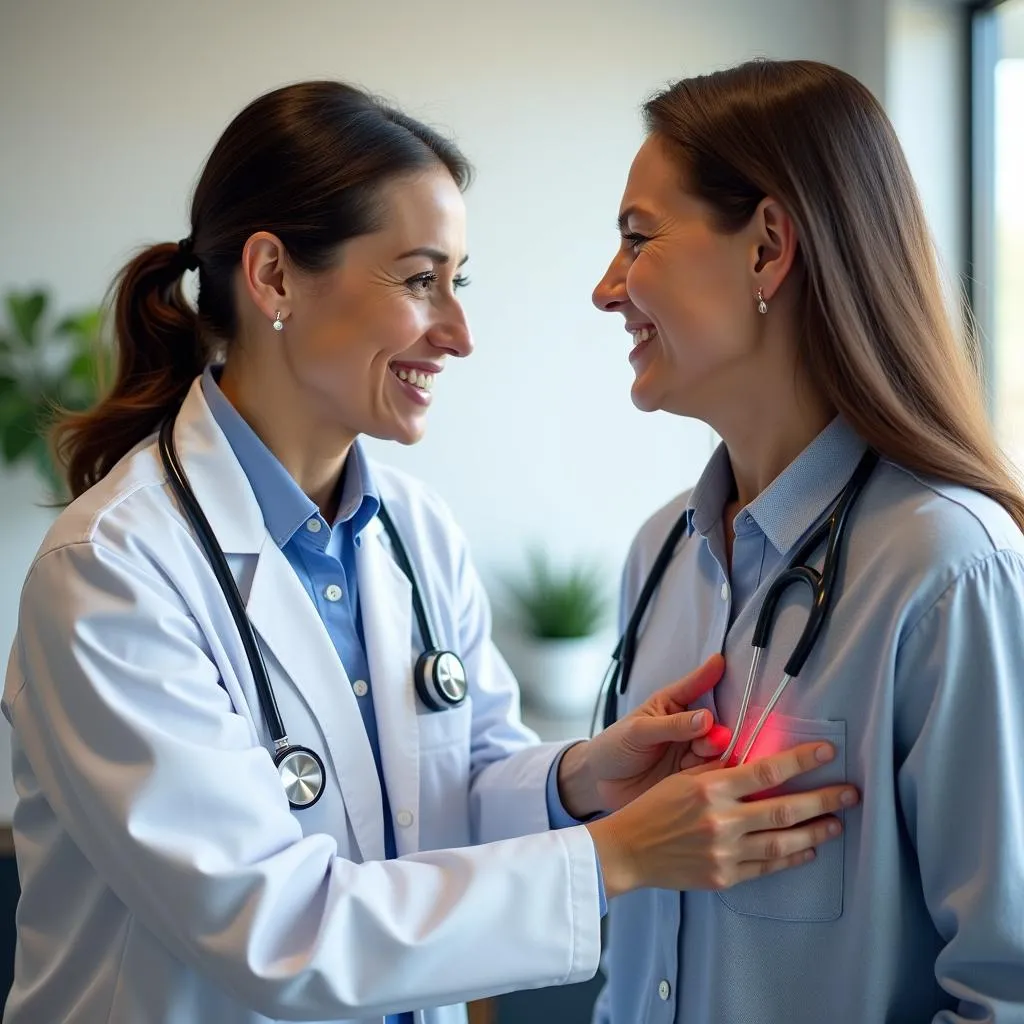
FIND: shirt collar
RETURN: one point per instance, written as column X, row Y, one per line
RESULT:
column 794, row 500
column 284, row 504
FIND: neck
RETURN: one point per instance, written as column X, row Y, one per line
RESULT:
column 312, row 452
column 772, row 425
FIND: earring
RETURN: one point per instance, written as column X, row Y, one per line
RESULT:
column 762, row 306
column 278, row 323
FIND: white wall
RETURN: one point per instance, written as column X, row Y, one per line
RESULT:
column 110, row 108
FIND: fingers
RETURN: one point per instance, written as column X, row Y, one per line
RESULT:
column 681, row 728
column 786, row 811
column 782, row 844
column 713, row 744
column 759, row 868
column 686, row 690
column 770, row 772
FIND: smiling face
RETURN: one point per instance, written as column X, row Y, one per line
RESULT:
column 365, row 340
column 684, row 288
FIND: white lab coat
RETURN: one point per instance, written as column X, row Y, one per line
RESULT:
column 165, row 879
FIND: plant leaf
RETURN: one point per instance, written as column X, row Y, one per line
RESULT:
column 82, row 326
column 20, row 429
column 25, row 311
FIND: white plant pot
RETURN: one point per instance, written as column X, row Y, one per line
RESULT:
column 560, row 678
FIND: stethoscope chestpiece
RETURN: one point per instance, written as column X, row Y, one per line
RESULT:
column 440, row 679
column 302, row 775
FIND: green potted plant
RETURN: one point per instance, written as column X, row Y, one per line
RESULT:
column 44, row 369
column 562, row 652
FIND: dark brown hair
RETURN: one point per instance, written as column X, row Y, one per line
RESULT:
column 876, row 337
column 304, row 162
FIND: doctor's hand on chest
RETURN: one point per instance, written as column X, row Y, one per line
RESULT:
column 679, row 819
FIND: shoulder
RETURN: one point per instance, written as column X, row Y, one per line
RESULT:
column 128, row 507
column 925, row 535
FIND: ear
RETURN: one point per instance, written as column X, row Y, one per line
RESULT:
column 775, row 246
column 266, row 273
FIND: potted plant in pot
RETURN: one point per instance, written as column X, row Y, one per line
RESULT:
column 562, row 649
column 43, row 370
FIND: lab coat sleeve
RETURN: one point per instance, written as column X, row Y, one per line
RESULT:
column 166, row 791
column 959, row 720
column 510, row 769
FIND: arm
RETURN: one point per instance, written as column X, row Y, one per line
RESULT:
column 962, row 665
column 167, row 792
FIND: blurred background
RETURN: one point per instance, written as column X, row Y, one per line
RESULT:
column 108, row 109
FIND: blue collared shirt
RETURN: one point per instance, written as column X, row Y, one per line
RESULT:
column 916, row 913
column 323, row 556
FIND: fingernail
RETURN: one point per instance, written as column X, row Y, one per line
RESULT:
column 809, row 855
column 848, row 797
column 824, row 753
column 699, row 720
column 833, row 828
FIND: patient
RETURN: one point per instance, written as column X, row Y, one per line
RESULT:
column 777, row 274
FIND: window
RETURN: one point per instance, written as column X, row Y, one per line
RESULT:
column 997, row 277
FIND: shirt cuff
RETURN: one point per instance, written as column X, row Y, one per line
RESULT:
column 559, row 817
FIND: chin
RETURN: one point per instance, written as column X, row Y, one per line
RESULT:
column 644, row 400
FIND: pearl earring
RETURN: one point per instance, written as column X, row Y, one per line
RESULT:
column 278, row 323
column 762, row 306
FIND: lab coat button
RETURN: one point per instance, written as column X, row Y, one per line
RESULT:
column 404, row 819
column 725, row 591
column 664, row 990
column 313, row 525
column 332, row 592
column 360, row 688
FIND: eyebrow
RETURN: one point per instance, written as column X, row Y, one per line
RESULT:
column 630, row 211
column 431, row 254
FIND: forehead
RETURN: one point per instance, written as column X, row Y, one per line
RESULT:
column 655, row 179
column 427, row 202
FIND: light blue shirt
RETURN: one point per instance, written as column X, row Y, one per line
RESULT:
column 916, row 913
column 323, row 556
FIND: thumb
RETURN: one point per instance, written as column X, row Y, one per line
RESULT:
column 679, row 728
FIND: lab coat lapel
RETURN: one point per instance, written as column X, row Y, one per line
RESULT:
column 285, row 619
column 386, row 603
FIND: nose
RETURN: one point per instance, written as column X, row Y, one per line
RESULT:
column 610, row 294
column 452, row 334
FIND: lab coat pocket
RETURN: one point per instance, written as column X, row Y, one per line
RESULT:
column 811, row 892
column 445, row 740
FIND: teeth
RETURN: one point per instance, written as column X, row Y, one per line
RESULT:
column 644, row 334
column 423, row 381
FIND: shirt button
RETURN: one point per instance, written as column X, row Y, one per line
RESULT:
column 664, row 990
column 725, row 591
column 359, row 688
column 313, row 525
column 332, row 592
column 404, row 819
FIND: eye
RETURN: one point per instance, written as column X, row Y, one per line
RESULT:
column 459, row 281
column 634, row 241
column 422, row 282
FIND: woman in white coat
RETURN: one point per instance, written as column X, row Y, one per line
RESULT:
column 166, row 876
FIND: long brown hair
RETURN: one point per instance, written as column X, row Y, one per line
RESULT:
column 305, row 162
column 876, row 337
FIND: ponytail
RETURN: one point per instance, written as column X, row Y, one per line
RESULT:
column 159, row 354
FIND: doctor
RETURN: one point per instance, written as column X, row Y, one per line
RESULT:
column 197, row 843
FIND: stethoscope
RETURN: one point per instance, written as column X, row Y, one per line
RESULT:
column 439, row 675
column 821, row 585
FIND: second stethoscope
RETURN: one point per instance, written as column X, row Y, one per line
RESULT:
column 439, row 675
column 831, row 530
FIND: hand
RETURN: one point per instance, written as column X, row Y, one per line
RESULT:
column 656, row 740
column 700, row 829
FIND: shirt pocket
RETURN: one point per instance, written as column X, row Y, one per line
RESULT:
column 811, row 892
